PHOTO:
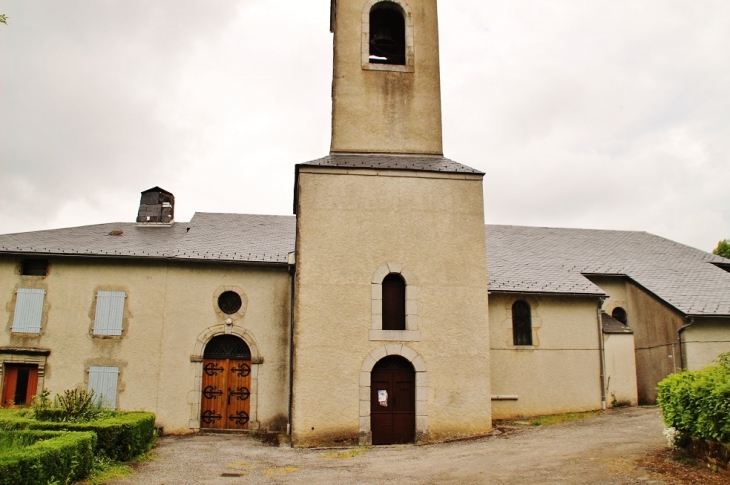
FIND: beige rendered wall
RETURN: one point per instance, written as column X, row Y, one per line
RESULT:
column 397, row 110
column 349, row 225
column 704, row 340
column 620, row 370
column 168, row 307
column 560, row 372
column 616, row 288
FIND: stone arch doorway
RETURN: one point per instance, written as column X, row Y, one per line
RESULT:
column 226, row 388
column 393, row 401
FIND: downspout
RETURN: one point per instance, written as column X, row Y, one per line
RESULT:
column 679, row 341
column 602, row 351
column 292, row 271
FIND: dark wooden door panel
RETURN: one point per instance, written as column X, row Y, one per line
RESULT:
column 396, row 422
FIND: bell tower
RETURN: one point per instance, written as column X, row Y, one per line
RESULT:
column 390, row 276
column 386, row 94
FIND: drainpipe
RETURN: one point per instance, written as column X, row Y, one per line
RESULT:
column 292, row 271
column 679, row 340
column 602, row 351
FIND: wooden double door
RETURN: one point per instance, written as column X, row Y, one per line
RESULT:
column 226, row 394
column 393, row 401
column 20, row 383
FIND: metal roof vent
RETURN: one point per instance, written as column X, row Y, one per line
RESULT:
column 156, row 208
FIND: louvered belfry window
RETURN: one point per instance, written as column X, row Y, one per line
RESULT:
column 521, row 323
column 103, row 381
column 394, row 302
column 109, row 312
column 28, row 310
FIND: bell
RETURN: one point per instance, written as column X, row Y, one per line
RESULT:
column 382, row 37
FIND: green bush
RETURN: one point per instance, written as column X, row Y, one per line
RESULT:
column 47, row 457
column 119, row 437
column 698, row 402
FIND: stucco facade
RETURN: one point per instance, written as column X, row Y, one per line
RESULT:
column 621, row 389
column 313, row 300
column 349, row 225
column 704, row 340
column 560, row 372
column 170, row 313
column 378, row 108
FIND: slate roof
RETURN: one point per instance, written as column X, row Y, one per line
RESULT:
column 611, row 325
column 424, row 163
column 207, row 237
column 520, row 259
column 551, row 260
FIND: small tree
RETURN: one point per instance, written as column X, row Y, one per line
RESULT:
column 723, row 248
column 3, row 19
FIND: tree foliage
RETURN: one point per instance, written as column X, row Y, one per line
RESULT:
column 3, row 19
column 723, row 248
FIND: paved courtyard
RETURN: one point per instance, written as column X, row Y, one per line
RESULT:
column 598, row 450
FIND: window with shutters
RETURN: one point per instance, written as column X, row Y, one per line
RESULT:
column 109, row 312
column 521, row 323
column 28, row 310
column 103, row 381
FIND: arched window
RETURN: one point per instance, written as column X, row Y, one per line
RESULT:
column 620, row 314
column 521, row 323
column 394, row 302
column 227, row 347
column 387, row 34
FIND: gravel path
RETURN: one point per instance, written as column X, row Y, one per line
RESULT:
column 600, row 449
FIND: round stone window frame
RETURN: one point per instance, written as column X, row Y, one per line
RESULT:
column 244, row 302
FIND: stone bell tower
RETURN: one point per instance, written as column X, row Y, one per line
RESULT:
column 386, row 94
column 390, row 333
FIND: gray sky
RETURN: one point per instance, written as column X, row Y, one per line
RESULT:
column 596, row 114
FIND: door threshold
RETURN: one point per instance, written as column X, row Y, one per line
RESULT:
column 224, row 431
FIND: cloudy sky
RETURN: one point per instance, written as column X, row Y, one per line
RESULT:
column 596, row 114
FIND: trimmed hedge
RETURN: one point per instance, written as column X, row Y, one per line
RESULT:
column 698, row 402
column 121, row 437
column 55, row 457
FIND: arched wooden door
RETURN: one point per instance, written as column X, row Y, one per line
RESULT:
column 226, row 392
column 393, row 401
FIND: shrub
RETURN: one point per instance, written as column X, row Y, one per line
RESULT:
column 119, row 437
column 47, row 457
column 698, row 402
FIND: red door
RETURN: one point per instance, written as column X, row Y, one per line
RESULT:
column 20, row 383
column 393, row 401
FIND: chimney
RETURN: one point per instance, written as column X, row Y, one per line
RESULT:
column 156, row 208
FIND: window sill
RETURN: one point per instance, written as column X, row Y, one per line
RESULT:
column 396, row 335
column 367, row 66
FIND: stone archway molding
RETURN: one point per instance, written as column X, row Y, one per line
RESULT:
column 419, row 365
column 194, row 396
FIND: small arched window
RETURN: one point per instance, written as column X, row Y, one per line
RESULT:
column 387, row 34
column 394, row 302
column 521, row 323
column 620, row 314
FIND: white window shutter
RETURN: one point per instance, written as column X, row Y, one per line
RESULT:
column 28, row 310
column 109, row 312
column 103, row 381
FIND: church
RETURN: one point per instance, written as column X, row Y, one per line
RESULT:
column 382, row 311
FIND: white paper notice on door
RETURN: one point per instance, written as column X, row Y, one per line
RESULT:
column 383, row 397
